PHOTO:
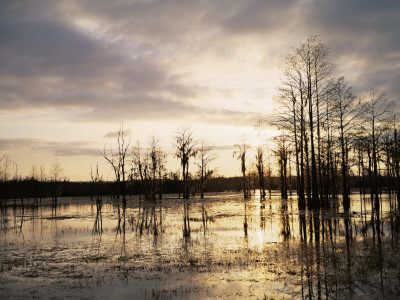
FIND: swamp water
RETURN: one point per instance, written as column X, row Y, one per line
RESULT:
column 217, row 247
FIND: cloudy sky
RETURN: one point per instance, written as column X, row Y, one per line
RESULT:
column 71, row 71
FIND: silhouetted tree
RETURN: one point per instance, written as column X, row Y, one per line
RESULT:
column 281, row 151
column 148, row 168
column 240, row 151
column 161, row 170
column 96, row 181
column 55, row 175
column 396, row 158
column 141, row 170
column 260, row 170
column 5, row 167
column 185, row 148
column 117, row 160
column 260, row 160
column 291, row 117
column 375, row 122
column 313, row 55
column 345, row 110
column 206, row 156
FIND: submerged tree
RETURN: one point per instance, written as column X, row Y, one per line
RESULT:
column 396, row 158
column 141, row 170
column 375, row 122
column 260, row 160
column 240, row 151
column 306, row 113
column 97, row 180
column 117, row 160
column 148, row 167
column 185, row 149
column 206, row 156
column 161, row 159
column 281, row 151
column 313, row 59
column 345, row 110
column 55, row 174
column 260, row 170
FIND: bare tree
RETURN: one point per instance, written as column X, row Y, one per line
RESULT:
column 375, row 123
column 240, row 151
column 161, row 158
column 206, row 156
column 313, row 55
column 260, row 159
column 42, row 173
column 185, row 146
column 291, row 116
column 140, row 170
column 281, row 151
column 117, row 160
column 34, row 183
column 396, row 157
column 345, row 110
column 55, row 175
column 5, row 167
column 96, row 181
column 260, row 170
column 149, row 168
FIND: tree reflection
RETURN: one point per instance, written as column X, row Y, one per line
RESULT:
column 285, row 223
column 204, row 217
column 121, row 227
column 339, row 252
column 148, row 220
column 186, row 220
column 98, row 223
column 245, row 225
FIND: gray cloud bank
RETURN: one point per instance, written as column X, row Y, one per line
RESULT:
column 54, row 147
column 129, row 62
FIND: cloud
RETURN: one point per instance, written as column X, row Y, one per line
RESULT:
column 34, row 145
column 163, row 60
column 115, row 134
column 50, row 63
column 155, row 64
column 259, row 17
column 364, row 40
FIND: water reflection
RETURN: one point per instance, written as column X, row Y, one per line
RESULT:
column 186, row 220
column 327, row 253
column 148, row 219
column 341, row 255
column 285, row 224
column 98, row 223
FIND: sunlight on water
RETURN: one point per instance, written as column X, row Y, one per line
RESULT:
column 217, row 246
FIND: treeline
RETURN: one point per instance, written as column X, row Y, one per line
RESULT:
column 34, row 190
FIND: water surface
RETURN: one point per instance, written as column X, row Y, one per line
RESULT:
column 220, row 246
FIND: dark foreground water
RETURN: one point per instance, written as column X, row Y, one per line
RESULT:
column 218, row 247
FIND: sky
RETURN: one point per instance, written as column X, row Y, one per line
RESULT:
column 72, row 71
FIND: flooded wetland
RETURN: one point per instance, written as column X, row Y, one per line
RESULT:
column 217, row 247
